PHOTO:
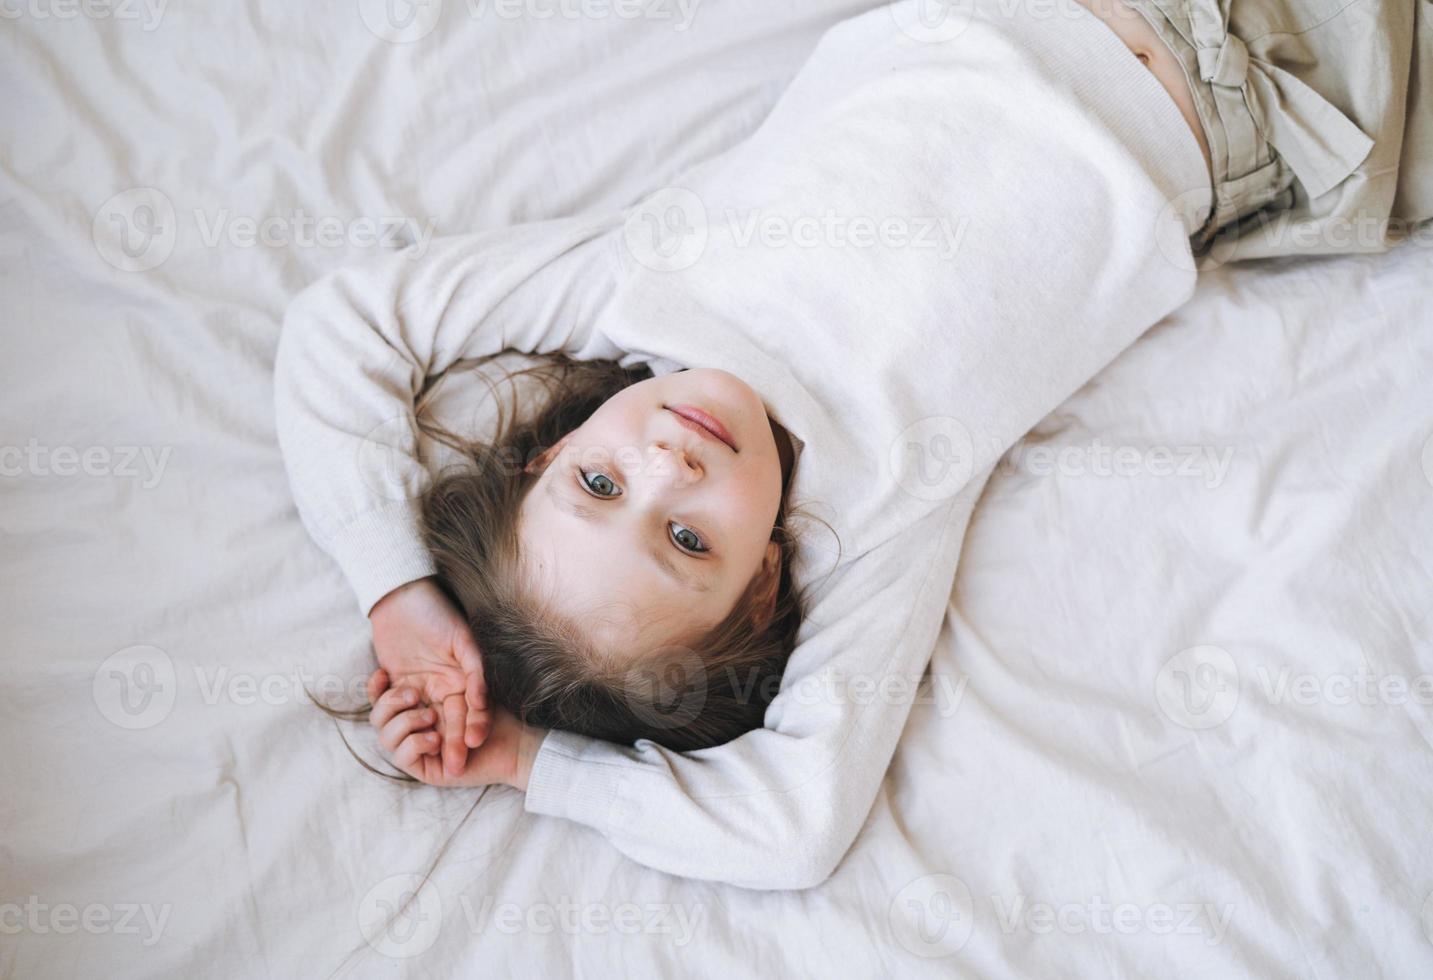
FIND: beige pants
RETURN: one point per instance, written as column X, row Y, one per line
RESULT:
column 1318, row 115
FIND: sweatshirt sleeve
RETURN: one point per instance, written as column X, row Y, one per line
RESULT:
column 778, row 808
column 359, row 344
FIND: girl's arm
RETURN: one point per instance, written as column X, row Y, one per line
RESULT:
column 356, row 350
column 779, row 807
column 358, row 345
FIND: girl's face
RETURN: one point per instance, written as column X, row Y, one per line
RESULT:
column 644, row 526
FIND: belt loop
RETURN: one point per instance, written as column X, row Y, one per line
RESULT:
column 1226, row 65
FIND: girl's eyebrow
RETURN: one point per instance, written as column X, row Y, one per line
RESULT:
column 664, row 561
column 583, row 511
column 670, row 567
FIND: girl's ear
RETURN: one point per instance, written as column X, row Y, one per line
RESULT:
column 770, row 573
column 539, row 462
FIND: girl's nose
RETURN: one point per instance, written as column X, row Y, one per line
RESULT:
column 675, row 464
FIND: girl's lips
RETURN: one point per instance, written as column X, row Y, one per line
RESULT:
column 703, row 422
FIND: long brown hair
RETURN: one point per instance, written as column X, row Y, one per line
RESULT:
column 537, row 663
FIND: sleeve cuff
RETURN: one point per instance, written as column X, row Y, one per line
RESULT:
column 563, row 784
column 381, row 550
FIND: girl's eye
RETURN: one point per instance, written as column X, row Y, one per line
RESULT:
column 687, row 539
column 599, row 485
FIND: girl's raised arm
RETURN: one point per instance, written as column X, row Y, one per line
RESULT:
column 358, row 344
column 779, row 807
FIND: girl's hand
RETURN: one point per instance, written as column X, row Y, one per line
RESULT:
column 423, row 642
column 405, row 725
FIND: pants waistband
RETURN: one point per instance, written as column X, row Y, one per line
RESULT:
column 1265, row 127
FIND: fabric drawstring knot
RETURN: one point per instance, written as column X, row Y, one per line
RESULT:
column 1321, row 145
column 1226, row 65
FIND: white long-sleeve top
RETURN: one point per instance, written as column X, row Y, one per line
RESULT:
column 934, row 239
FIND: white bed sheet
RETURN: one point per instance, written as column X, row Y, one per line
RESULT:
column 1143, row 752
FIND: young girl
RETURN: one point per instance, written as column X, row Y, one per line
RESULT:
column 598, row 611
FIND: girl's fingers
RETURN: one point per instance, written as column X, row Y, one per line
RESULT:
column 405, row 723
column 470, row 658
column 377, row 684
column 409, row 754
column 391, row 702
column 479, row 724
column 455, row 751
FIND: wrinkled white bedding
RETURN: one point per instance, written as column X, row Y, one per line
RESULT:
column 1179, row 720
